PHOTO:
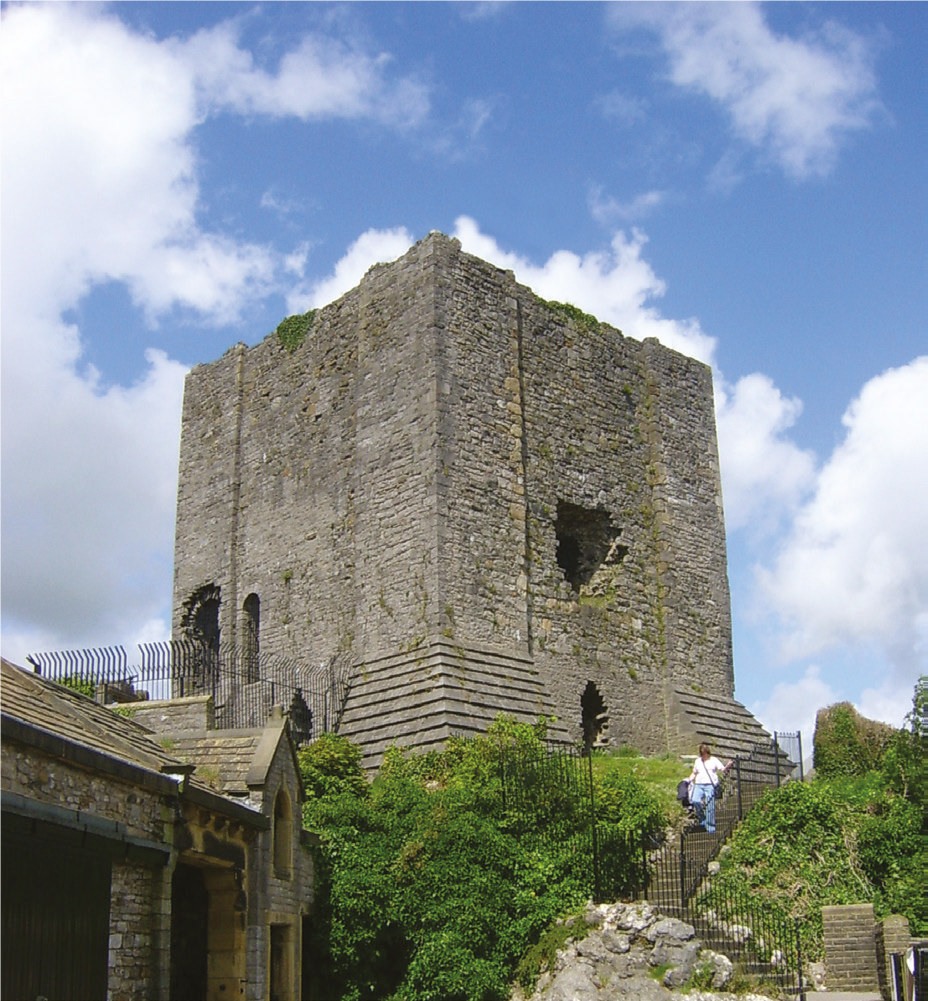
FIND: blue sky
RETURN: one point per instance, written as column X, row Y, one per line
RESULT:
column 745, row 182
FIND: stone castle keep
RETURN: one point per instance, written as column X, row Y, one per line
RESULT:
column 485, row 501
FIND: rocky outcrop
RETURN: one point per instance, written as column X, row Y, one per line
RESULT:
column 633, row 952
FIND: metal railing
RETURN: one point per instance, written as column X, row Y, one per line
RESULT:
column 244, row 686
column 550, row 793
column 748, row 929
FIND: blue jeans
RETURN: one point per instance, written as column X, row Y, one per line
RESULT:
column 704, row 805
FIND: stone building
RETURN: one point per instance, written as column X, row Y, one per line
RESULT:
column 488, row 501
column 141, row 867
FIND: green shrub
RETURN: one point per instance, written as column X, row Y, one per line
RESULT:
column 810, row 844
column 540, row 956
column 292, row 331
column 903, row 766
column 846, row 743
column 331, row 765
column 427, row 886
column 83, row 685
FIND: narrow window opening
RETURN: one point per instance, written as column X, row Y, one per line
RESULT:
column 283, row 835
column 251, row 634
column 594, row 719
column 200, row 619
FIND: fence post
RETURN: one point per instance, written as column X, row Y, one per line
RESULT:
column 802, row 775
column 682, row 874
column 596, row 887
column 802, row 983
column 738, row 787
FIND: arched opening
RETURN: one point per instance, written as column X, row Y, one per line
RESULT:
column 594, row 720
column 200, row 620
column 251, row 634
column 283, row 835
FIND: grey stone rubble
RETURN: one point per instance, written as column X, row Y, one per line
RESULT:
column 617, row 960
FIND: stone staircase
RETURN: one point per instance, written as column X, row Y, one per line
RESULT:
column 421, row 698
column 679, row 870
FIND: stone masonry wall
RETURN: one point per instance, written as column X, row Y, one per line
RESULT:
column 893, row 937
column 166, row 716
column 131, row 944
column 277, row 898
column 49, row 780
column 404, row 475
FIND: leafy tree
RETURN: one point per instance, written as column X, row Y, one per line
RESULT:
column 903, row 764
column 428, row 883
column 332, row 765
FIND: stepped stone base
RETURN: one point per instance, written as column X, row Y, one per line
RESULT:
column 419, row 699
column 718, row 720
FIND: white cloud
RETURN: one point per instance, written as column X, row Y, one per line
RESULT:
column 854, row 567
column 321, row 77
column 625, row 109
column 797, row 99
column 764, row 474
column 100, row 184
column 376, row 246
column 478, row 10
column 607, row 210
column 887, row 702
column 617, row 286
column 792, row 706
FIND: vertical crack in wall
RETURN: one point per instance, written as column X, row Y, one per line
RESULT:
column 656, row 479
column 236, row 499
column 527, row 551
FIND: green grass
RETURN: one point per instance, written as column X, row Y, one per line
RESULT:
column 660, row 774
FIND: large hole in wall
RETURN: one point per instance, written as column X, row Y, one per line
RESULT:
column 594, row 720
column 200, row 619
column 586, row 540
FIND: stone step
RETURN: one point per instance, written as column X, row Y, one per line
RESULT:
column 718, row 720
column 418, row 699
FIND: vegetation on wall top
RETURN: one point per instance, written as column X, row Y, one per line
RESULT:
column 847, row 837
column 846, row 743
column 585, row 322
column 292, row 331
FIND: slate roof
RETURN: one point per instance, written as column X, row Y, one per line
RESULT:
column 223, row 758
column 64, row 719
column 73, row 717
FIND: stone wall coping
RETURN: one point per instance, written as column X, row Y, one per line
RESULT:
column 183, row 700
column 274, row 731
column 87, row 757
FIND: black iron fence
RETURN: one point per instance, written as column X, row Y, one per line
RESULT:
column 551, row 794
column 244, row 685
column 751, row 931
column 679, row 883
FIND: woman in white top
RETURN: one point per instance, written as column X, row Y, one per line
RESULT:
column 704, row 778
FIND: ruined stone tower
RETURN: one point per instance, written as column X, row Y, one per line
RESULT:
column 487, row 501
